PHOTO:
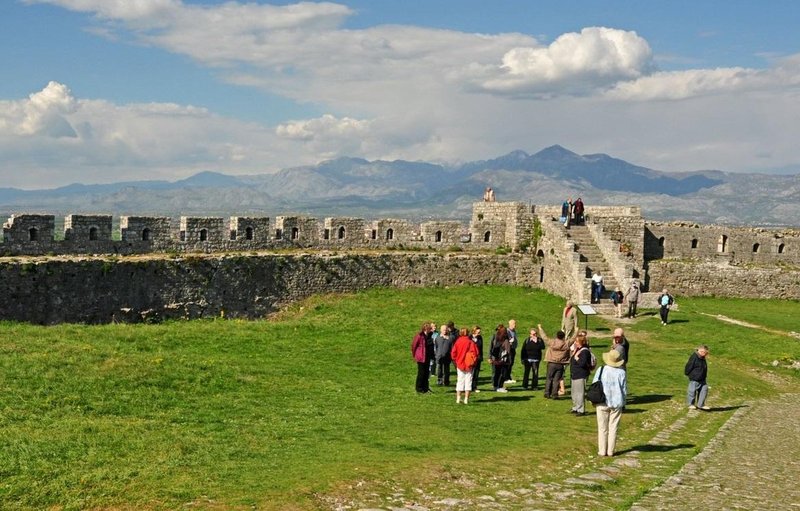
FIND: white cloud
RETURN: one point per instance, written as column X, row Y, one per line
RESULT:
column 41, row 114
column 574, row 63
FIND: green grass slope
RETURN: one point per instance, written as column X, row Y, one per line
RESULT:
column 319, row 403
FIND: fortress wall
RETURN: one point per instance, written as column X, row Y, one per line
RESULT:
column 737, row 244
column 708, row 278
column 97, row 290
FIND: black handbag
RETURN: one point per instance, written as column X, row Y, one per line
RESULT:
column 595, row 393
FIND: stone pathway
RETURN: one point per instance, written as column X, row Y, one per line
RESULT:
column 750, row 463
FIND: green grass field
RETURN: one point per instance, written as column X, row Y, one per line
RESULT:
column 320, row 402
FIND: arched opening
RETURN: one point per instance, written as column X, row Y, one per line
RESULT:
column 340, row 235
column 33, row 234
column 248, row 233
column 92, row 233
column 203, row 235
column 781, row 247
column 756, row 248
column 722, row 245
column 540, row 254
column 487, row 236
column 295, row 233
column 438, row 236
column 694, row 243
column 389, row 234
column 661, row 242
column 145, row 234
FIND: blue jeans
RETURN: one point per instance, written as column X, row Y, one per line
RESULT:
column 697, row 389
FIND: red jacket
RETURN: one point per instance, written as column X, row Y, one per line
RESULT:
column 418, row 347
column 462, row 346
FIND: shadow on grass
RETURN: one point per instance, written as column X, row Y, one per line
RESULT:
column 505, row 397
column 656, row 448
column 724, row 408
column 633, row 410
column 676, row 321
column 648, row 398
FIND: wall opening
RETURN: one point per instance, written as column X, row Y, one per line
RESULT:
column 374, row 234
column 248, row 233
column 203, row 235
column 540, row 254
column 278, row 234
column 327, row 234
column 295, row 233
column 661, row 242
column 145, row 234
column 182, row 236
column 340, row 234
column 756, row 248
column 694, row 243
column 438, row 236
column 92, row 233
column 487, row 236
column 389, row 234
column 233, row 235
column 722, row 244
column 541, row 274
column 33, row 234
column 781, row 248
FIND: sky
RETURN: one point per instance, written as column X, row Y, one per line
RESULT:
column 98, row 91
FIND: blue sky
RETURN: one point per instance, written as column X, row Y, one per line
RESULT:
column 107, row 90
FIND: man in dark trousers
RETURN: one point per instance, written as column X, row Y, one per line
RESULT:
column 531, row 355
column 697, row 371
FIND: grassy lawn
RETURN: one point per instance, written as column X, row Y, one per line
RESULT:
column 320, row 402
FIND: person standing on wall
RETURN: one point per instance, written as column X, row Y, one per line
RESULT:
column 615, row 389
column 579, row 210
column 633, row 298
column 419, row 352
column 665, row 301
column 697, row 371
column 531, row 355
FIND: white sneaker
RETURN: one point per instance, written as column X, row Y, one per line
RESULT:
column 502, row 390
column 476, row 390
column 458, row 401
column 466, row 401
column 511, row 381
column 692, row 407
column 706, row 408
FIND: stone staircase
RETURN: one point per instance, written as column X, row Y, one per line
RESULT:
column 592, row 256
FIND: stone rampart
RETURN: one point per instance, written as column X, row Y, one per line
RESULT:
column 710, row 278
column 101, row 290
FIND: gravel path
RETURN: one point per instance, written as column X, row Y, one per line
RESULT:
column 752, row 463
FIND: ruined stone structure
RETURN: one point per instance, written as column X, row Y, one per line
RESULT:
column 202, row 266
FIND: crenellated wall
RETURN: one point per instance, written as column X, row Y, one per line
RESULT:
column 197, row 266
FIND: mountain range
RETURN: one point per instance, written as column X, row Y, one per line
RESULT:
column 420, row 190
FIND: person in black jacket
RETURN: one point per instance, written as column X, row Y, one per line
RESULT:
column 477, row 338
column 697, row 371
column 531, row 355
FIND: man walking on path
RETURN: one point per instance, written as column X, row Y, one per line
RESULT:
column 697, row 371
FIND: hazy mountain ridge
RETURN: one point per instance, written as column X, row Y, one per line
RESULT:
column 419, row 190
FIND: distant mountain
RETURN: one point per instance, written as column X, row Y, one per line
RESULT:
column 598, row 170
column 421, row 190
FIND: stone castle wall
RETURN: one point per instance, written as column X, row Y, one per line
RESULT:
column 101, row 290
column 508, row 243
